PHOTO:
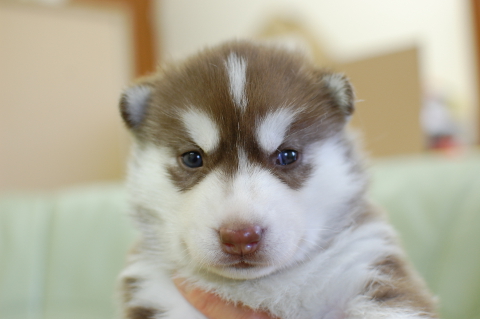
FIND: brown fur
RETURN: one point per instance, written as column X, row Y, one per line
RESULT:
column 401, row 287
column 141, row 313
column 128, row 285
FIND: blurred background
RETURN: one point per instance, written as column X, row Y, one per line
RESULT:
column 63, row 64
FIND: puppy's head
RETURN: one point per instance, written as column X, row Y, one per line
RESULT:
column 241, row 165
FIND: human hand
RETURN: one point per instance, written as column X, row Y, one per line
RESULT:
column 213, row 307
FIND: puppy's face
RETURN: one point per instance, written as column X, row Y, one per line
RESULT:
column 240, row 165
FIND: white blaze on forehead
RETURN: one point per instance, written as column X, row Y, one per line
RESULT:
column 271, row 129
column 237, row 69
column 202, row 129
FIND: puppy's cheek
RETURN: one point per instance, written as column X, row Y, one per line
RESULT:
column 198, row 215
column 336, row 182
column 148, row 188
column 284, row 227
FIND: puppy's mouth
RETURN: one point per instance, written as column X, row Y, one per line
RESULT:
column 243, row 269
column 243, row 265
column 245, row 261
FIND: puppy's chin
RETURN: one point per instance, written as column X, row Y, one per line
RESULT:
column 243, row 271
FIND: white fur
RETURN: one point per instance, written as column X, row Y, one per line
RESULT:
column 361, row 307
column 271, row 129
column 202, row 129
column 237, row 76
column 148, row 184
column 333, row 184
column 136, row 98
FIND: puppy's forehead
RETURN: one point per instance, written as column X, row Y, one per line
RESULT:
column 234, row 96
column 201, row 121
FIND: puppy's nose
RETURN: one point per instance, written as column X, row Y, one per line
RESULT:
column 242, row 241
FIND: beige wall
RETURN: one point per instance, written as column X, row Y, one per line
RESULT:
column 389, row 98
column 61, row 73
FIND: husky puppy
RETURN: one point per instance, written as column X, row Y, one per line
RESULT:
column 244, row 181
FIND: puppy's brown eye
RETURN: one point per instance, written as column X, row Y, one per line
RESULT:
column 192, row 159
column 286, row 157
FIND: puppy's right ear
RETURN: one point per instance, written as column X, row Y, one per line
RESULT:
column 134, row 103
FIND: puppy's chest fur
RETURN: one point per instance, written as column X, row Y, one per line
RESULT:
column 244, row 181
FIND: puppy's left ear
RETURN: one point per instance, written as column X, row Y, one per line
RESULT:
column 340, row 90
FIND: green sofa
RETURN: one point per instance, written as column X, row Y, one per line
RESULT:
column 60, row 252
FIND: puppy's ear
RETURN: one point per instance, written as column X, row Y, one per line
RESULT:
column 340, row 91
column 134, row 103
